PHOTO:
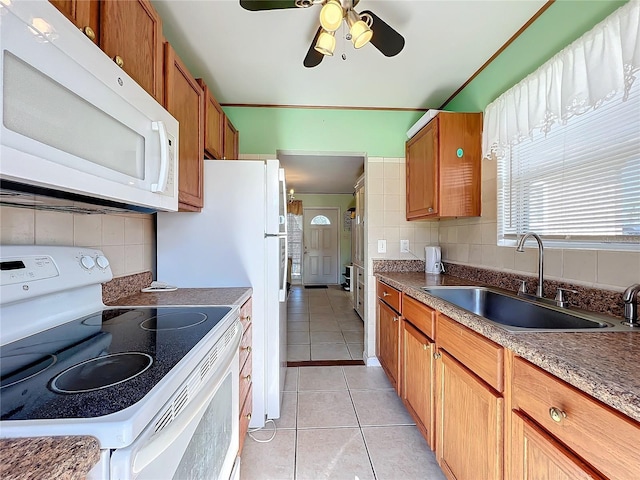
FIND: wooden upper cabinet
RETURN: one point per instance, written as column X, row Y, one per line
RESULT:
column 83, row 14
column 131, row 34
column 231, row 138
column 184, row 99
column 444, row 167
column 214, row 125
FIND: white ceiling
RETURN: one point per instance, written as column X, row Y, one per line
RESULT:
column 256, row 57
column 327, row 172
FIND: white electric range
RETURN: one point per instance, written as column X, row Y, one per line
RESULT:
column 157, row 386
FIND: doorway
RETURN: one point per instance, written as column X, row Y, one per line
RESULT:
column 321, row 247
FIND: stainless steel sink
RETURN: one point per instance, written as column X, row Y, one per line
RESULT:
column 517, row 314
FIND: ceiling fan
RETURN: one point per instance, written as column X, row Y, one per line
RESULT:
column 364, row 27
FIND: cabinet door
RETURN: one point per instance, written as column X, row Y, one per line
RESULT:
column 230, row 141
column 537, row 455
column 83, row 14
column 469, row 424
column 417, row 378
column 214, row 125
column 184, row 99
column 131, row 34
column 422, row 172
column 388, row 341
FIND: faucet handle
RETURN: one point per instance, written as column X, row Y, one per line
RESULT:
column 523, row 286
column 560, row 299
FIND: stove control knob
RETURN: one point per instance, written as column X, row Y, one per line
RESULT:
column 102, row 261
column 87, row 262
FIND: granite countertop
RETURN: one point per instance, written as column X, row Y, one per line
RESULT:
column 604, row 365
column 188, row 296
column 62, row 458
column 72, row 457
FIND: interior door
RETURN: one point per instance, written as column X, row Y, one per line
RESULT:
column 320, row 234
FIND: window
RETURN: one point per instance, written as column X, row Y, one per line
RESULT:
column 578, row 185
column 320, row 220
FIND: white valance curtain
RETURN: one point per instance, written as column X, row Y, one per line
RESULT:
column 597, row 67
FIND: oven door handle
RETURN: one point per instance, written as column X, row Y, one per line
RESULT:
column 160, row 442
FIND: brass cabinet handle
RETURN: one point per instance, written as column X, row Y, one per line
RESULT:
column 88, row 31
column 395, row 319
column 556, row 414
column 425, row 346
column 247, row 318
column 248, row 415
column 385, row 294
column 437, row 355
column 248, row 348
column 248, row 378
column 119, row 61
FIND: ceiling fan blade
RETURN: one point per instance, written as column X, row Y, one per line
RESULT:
column 256, row 5
column 313, row 57
column 385, row 38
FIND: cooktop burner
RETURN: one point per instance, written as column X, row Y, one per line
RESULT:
column 173, row 321
column 101, row 372
column 73, row 370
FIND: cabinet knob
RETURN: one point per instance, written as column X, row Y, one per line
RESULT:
column 119, row 61
column 430, row 209
column 425, row 346
column 556, row 414
column 248, row 348
column 385, row 294
column 395, row 319
column 247, row 318
column 437, row 355
column 248, row 378
column 248, row 415
column 88, row 31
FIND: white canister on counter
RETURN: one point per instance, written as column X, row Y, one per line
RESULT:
column 433, row 260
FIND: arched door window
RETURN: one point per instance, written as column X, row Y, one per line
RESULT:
column 320, row 220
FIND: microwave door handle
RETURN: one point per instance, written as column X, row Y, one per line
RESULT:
column 164, row 157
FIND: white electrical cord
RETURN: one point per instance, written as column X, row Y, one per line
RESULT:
column 275, row 430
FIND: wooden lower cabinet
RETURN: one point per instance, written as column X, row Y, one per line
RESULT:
column 388, row 341
column 537, row 455
column 246, row 367
column 469, row 422
column 417, row 379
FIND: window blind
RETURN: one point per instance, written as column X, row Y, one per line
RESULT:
column 579, row 184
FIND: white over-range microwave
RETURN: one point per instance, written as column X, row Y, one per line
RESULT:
column 74, row 124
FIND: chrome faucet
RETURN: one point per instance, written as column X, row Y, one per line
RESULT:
column 520, row 248
column 630, row 299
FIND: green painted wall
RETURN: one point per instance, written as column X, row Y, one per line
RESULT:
column 343, row 202
column 382, row 133
column 561, row 24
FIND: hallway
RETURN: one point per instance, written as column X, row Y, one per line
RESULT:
column 322, row 325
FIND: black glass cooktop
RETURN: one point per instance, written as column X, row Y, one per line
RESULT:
column 98, row 364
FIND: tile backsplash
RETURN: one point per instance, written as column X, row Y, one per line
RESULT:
column 473, row 241
column 128, row 240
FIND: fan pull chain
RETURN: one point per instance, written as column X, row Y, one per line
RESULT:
column 344, row 55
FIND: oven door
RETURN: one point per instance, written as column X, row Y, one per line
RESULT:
column 201, row 440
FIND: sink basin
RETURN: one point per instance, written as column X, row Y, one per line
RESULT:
column 517, row 314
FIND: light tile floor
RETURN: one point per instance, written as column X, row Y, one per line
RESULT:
column 322, row 325
column 340, row 423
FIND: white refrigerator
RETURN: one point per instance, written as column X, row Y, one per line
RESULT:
column 238, row 240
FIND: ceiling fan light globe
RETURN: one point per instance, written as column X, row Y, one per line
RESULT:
column 360, row 34
column 331, row 15
column 326, row 43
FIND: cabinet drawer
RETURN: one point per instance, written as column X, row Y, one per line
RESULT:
column 389, row 295
column 245, row 346
column 245, row 418
column 478, row 354
column 420, row 316
column 245, row 378
column 606, row 439
column 245, row 315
